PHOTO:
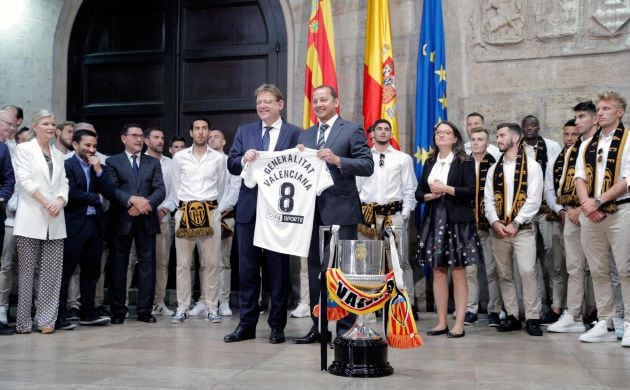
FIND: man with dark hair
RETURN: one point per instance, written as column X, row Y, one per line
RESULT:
column 602, row 175
column 198, row 183
column 7, row 184
column 63, row 137
column 512, row 196
column 19, row 118
column 270, row 133
column 85, row 225
column 563, row 192
column 139, row 190
column 551, row 285
column 177, row 143
column 342, row 144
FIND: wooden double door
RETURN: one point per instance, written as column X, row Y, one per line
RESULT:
column 163, row 62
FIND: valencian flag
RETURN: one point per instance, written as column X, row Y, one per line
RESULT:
column 431, row 81
column 379, row 90
column 320, row 56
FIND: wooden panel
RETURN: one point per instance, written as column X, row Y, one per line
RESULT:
column 210, row 25
column 226, row 122
column 124, row 83
column 109, row 128
column 122, row 29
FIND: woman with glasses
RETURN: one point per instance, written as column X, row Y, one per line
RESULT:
column 40, row 226
column 447, row 235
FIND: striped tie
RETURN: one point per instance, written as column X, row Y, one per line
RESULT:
column 321, row 140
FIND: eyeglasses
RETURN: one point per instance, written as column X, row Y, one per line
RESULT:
column 443, row 132
column 381, row 160
column 265, row 102
column 10, row 124
column 140, row 135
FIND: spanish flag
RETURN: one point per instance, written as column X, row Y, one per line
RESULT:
column 379, row 88
column 320, row 56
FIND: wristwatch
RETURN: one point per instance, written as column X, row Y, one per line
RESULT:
column 598, row 202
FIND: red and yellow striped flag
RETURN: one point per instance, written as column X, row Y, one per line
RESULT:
column 320, row 56
column 379, row 89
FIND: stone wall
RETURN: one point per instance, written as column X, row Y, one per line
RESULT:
column 505, row 58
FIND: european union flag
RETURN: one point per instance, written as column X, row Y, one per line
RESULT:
column 431, row 82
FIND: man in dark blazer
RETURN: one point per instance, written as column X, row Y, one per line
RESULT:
column 138, row 191
column 343, row 146
column 269, row 133
column 85, row 227
column 8, row 123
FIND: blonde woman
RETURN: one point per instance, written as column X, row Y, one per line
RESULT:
column 40, row 226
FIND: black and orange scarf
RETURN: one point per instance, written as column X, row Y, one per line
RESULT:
column 196, row 220
column 563, row 174
column 484, row 165
column 520, row 186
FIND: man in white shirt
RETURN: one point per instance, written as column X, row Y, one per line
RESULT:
column 63, row 137
column 601, row 182
column 473, row 121
column 544, row 151
column 388, row 195
column 198, row 181
column 512, row 198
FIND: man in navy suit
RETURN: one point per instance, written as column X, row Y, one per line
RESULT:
column 343, row 146
column 85, row 226
column 269, row 133
column 138, row 191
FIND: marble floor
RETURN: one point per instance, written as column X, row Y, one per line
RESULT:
column 193, row 356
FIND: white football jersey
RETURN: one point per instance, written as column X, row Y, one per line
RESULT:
column 288, row 182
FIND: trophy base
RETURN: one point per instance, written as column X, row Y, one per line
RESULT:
column 360, row 358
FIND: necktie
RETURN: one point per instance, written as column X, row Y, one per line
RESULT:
column 134, row 165
column 320, row 139
column 266, row 138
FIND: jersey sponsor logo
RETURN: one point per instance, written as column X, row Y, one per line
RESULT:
column 287, row 218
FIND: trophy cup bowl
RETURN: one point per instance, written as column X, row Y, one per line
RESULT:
column 361, row 352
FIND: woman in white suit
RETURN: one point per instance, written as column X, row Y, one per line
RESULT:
column 40, row 225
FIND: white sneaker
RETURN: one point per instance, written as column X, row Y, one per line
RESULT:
column 625, row 341
column 213, row 316
column 3, row 315
column 180, row 316
column 618, row 324
column 224, row 309
column 301, row 311
column 161, row 309
column 199, row 309
column 566, row 324
column 598, row 334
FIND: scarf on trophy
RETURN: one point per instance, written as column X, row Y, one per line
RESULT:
column 400, row 326
column 519, row 183
column 370, row 210
column 484, row 165
column 196, row 220
column 613, row 165
column 563, row 173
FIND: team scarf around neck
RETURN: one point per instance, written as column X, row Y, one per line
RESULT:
column 613, row 165
column 541, row 154
column 563, row 173
column 484, row 165
column 519, row 182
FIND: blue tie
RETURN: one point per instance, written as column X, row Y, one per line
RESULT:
column 134, row 165
column 266, row 137
column 322, row 131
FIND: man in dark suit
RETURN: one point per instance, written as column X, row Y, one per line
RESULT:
column 343, row 146
column 269, row 133
column 8, row 122
column 85, row 226
column 138, row 191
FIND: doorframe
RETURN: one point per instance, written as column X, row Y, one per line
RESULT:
column 61, row 45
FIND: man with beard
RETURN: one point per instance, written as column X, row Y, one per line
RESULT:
column 551, row 284
column 85, row 226
column 63, row 137
column 198, row 181
column 512, row 197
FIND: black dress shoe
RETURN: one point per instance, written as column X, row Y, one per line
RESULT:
column 438, row 332
column 118, row 319
column 311, row 337
column 5, row 330
column 147, row 317
column 533, row 327
column 452, row 335
column 509, row 324
column 276, row 336
column 240, row 334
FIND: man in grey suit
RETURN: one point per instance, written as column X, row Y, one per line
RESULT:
column 343, row 146
column 139, row 190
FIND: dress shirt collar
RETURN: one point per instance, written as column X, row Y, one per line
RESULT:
column 330, row 122
column 276, row 125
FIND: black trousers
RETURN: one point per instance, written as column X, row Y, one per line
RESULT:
column 119, row 262
column 83, row 249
